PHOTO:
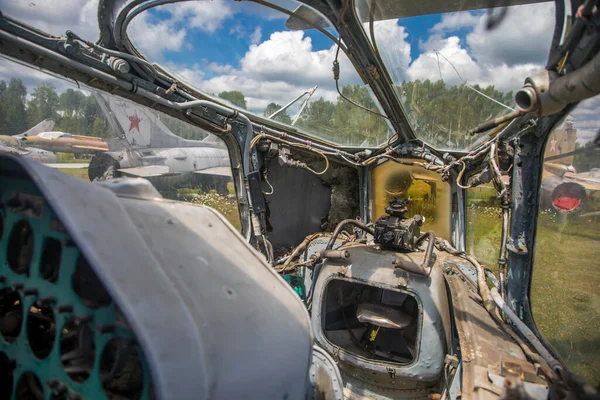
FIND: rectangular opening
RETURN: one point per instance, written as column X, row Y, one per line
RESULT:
column 372, row 322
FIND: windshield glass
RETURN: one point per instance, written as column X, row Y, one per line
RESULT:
column 246, row 55
column 449, row 71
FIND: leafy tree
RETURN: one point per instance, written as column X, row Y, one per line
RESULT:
column 235, row 97
column 71, row 100
column 72, row 123
column 100, row 129
column 182, row 129
column 12, row 103
column 281, row 117
column 43, row 104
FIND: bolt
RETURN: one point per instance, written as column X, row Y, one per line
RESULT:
column 65, row 308
column 107, row 328
column 84, row 319
column 30, row 292
column 46, row 301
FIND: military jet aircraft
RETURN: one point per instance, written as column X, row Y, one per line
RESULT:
column 146, row 148
column 563, row 188
column 40, row 143
column 334, row 287
column 16, row 144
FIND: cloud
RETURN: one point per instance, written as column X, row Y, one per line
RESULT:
column 454, row 21
column 57, row 16
column 219, row 68
column 503, row 57
column 524, row 36
column 31, row 77
column 586, row 119
column 154, row 39
column 393, row 46
column 256, row 35
column 204, row 15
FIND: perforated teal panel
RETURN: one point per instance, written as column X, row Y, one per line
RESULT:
column 35, row 300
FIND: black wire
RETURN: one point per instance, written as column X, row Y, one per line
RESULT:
column 336, row 77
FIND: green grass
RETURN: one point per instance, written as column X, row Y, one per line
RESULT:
column 565, row 295
column 78, row 172
column 70, row 158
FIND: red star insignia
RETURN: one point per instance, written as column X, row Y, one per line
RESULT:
column 134, row 122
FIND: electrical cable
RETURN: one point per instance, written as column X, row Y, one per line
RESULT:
column 336, row 77
column 263, row 135
column 460, row 175
column 342, row 224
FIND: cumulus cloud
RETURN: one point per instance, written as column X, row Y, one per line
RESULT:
column 586, row 119
column 152, row 39
column 57, row 16
column 503, row 57
column 455, row 21
column 524, row 36
column 394, row 47
column 256, row 35
column 203, row 15
column 32, row 77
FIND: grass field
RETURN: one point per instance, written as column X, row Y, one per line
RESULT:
column 565, row 290
column 565, row 293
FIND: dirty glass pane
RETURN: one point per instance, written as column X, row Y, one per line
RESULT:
column 484, row 226
column 565, row 295
column 429, row 196
column 248, row 56
column 450, row 72
column 97, row 136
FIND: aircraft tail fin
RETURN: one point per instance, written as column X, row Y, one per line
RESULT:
column 45, row 126
column 137, row 126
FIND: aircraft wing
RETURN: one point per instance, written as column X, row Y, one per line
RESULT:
column 13, row 150
column 148, row 171
column 95, row 148
column 588, row 180
column 67, row 165
column 220, row 171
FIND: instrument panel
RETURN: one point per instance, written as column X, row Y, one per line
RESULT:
column 62, row 336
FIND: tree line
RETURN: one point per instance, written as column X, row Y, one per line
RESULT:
column 72, row 110
column 442, row 115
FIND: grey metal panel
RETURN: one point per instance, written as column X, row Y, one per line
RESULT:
column 368, row 265
column 218, row 325
column 254, row 330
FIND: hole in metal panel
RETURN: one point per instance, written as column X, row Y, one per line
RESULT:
column 41, row 330
column 50, row 259
column 77, row 350
column 29, row 387
column 6, row 377
column 20, row 247
column 121, row 369
column 88, row 287
column 11, row 314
